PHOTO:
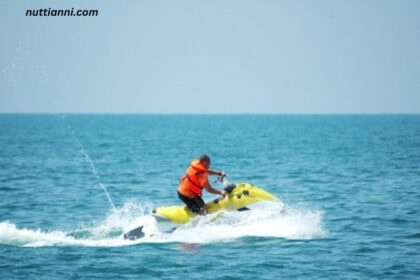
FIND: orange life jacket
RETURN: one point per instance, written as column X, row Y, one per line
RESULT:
column 191, row 183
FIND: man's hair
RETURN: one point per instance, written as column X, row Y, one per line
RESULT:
column 204, row 158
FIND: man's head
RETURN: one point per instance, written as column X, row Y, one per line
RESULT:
column 205, row 159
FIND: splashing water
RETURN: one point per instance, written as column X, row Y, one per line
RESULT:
column 272, row 220
column 90, row 162
column 93, row 170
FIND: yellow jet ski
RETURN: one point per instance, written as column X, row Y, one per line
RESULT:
column 238, row 198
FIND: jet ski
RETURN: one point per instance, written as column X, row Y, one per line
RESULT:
column 238, row 198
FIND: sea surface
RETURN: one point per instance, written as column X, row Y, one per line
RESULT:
column 348, row 189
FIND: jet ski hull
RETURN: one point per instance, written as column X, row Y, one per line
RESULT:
column 239, row 197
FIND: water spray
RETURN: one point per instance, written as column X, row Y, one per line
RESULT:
column 91, row 163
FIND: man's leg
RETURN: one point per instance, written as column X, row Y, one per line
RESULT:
column 190, row 202
column 200, row 205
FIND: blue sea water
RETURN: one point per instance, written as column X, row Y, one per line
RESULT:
column 349, row 189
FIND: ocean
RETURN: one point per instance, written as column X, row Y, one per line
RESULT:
column 348, row 189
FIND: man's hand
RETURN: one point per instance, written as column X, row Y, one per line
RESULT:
column 222, row 174
column 223, row 193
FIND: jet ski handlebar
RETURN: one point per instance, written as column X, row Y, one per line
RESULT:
column 227, row 185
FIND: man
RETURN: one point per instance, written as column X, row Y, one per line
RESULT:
column 191, row 186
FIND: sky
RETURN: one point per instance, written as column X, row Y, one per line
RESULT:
column 212, row 57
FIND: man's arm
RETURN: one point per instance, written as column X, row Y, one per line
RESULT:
column 216, row 172
column 212, row 190
column 207, row 185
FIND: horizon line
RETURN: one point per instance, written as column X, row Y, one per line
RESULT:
column 205, row 114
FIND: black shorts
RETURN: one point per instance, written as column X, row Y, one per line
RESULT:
column 195, row 204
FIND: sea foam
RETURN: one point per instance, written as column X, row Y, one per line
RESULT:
column 273, row 220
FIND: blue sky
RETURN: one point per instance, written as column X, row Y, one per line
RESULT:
column 212, row 57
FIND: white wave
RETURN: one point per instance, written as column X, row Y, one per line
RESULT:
column 11, row 235
column 272, row 220
column 267, row 220
column 106, row 234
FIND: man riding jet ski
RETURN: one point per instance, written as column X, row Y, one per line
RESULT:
column 191, row 186
column 233, row 197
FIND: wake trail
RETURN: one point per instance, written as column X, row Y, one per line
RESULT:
column 269, row 220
